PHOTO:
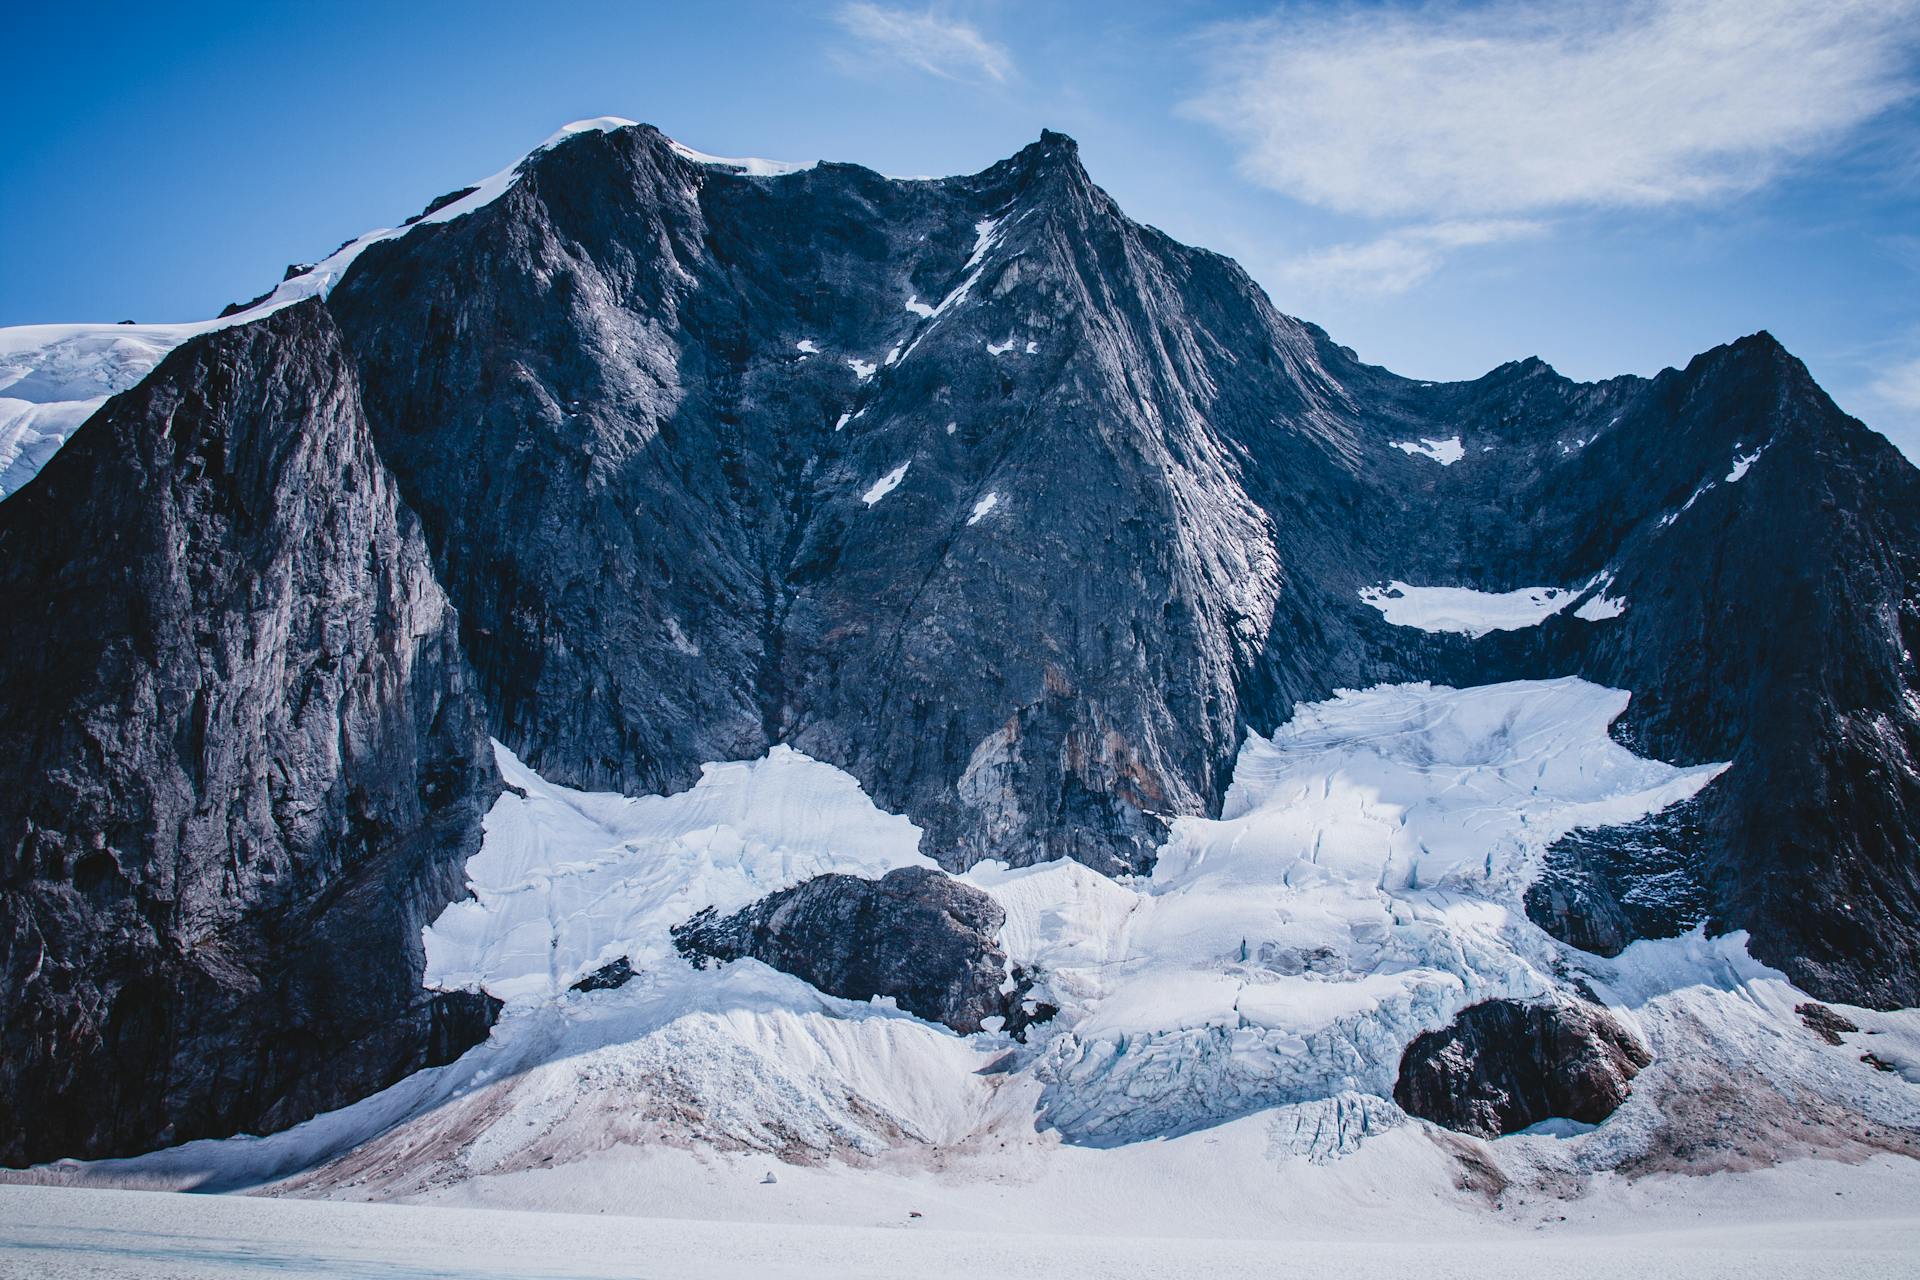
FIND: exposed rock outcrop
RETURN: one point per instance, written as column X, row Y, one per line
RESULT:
column 1504, row 1065
column 915, row 935
column 241, row 761
column 642, row 402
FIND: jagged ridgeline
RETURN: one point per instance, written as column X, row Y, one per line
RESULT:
column 1019, row 512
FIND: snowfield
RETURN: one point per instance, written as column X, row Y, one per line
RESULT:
column 1864, row 1232
column 1222, row 1062
column 1464, row 610
column 567, row 881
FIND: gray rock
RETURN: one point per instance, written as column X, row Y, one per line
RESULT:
column 617, row 972
column 915, row 935
column 242, row 755
column 241, row 761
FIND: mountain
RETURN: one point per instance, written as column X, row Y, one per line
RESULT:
column 245, row 757
column 1270, row 714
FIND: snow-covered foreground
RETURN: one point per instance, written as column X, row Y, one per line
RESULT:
column 1854, row 1226
column 1222, row 1063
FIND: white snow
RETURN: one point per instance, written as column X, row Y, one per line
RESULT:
column 1362, row 885
column 751, row 166
column 999, row 348
column 1246, row 1005
column 952, row 427
column 862, row 369
column 843, row 420
column 893, row 355
column 1464, row 610
column 567, row 881
column 1742, row 461
column 1033, row 348
column 1601, row 606
column 918, row 307
column 806, row 347
column 1445, row 452
column 1838, row 1221
column 886, row 484
column 53, row 378
column 983, row 506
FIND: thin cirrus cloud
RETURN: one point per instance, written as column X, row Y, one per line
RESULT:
column 1493, row 115
column 1899, row 386
column 923, row 41
column 1402, row 258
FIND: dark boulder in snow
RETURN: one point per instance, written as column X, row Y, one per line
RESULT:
column 1505, row 1064
column 916, row 935
column 617, row 972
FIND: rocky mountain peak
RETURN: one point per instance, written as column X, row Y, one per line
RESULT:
column 1037, row 530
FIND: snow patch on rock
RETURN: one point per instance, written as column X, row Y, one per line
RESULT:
column 1743, row 461
column 1465, row 611
column 1445, row 452
column 566, row 881
column 886, row 484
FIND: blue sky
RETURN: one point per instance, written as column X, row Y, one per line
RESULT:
column 1613, row 187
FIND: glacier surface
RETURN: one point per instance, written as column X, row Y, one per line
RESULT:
column 1244, row 1006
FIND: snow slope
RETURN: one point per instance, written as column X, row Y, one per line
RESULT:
column 1361, row 886
column 60, row 1234
column 1245, row 1007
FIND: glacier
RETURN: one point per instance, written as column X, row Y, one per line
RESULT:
column 1235, row 1017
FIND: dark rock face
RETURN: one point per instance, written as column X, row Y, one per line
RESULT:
column 1504, row 1065
column 916, row 935
column 241, row 762
column 649, row 503
column 1601, row 889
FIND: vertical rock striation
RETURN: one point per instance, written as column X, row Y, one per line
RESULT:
column 241, row 761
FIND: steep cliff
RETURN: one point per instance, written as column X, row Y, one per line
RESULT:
column 241, row 755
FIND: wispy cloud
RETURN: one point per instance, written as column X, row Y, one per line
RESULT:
column 1506, row 109
column 1899, row 386
column 1400, row 259
column 925, row 41
column 1475, row 120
